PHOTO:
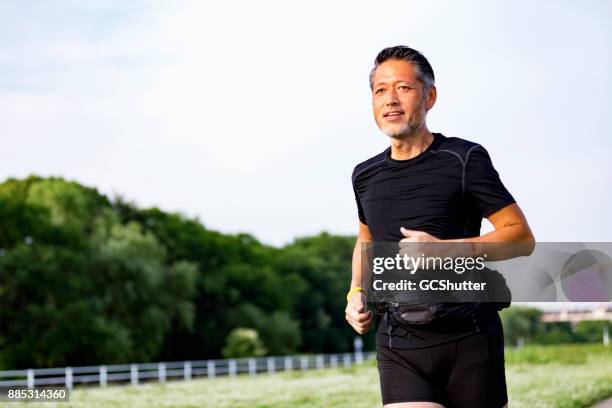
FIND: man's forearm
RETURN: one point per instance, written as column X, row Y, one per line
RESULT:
column 360, row 272
column 511, row 241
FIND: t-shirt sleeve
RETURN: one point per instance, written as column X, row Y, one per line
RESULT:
column 360, row 213
column 483, row 185
column 359, row 208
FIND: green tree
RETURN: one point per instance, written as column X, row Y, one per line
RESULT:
column 520, row 322
column 238, row 284
column 279, row 332
column 76, row 285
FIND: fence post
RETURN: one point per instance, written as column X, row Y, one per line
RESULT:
column 320, row 363
column 288, row 363
column 231, row 367
column 161, row 372
column 210, row 368
column 270, row 365
column 606, row 336
column 358, row 346
column 30, row 380
column 187, row 370
column 103, row 376
column 359, row 357
column 304, row 363
column 333, row 361
column 252, row 366
column 69, row 378
column 347, row 360
column 134, row 374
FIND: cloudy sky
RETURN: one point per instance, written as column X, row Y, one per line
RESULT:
column 252, row 115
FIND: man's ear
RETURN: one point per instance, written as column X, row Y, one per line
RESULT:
column 431, row 98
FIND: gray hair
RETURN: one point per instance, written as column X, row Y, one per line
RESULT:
column 424, row 72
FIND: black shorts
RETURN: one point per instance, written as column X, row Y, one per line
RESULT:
column 465, row 373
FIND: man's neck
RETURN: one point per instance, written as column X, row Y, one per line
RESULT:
column 411, row 145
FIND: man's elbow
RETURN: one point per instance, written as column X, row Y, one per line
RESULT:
column 522, row 238
column 528, row 242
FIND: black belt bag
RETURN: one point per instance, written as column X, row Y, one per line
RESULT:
column 498, row 294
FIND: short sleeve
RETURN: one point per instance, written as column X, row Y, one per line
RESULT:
column 359, row 207
column 483, row 185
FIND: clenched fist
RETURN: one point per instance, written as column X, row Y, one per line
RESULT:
column 357, row 315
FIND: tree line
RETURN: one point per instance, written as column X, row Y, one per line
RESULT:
column 85, row 279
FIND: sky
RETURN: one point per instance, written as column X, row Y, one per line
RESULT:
column 252, row 115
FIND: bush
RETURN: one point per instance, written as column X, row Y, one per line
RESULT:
column 242, row 342
column 592, row 331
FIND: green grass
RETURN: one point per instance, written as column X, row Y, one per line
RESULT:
column 538, row 377
column 569, row 376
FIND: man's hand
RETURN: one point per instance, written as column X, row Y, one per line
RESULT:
column 415, row 243
column 417, row 236
column 357, row 315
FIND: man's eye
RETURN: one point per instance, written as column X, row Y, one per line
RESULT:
column 379, row 91
column 404, row 87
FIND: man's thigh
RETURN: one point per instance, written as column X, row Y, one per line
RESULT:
column 407, row 377
column 478, row 377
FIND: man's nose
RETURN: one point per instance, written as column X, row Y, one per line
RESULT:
column 392, row 98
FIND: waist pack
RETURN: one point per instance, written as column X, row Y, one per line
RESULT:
column 498, row 294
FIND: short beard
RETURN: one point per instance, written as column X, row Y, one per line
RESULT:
column 405, row 132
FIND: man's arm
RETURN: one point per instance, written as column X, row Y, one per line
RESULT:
column 511, row 227
column 363, row 236
column 355, row 313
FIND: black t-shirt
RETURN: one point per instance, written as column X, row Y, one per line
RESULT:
column 445, row 191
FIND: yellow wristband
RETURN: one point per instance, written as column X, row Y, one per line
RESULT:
column 353, row 291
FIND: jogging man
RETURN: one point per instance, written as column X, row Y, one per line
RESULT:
column 427, row 187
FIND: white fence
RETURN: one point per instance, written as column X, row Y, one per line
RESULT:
column 181, row 370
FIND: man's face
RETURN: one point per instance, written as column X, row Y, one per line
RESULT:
column 398, row 99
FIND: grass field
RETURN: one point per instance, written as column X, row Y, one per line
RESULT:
column 538, row 377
